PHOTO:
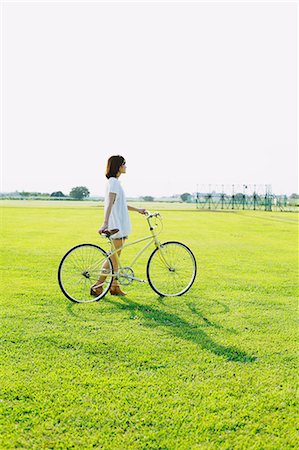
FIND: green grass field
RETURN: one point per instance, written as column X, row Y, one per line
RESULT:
column 214, row 369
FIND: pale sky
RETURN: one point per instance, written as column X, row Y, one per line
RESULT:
column 190, row 93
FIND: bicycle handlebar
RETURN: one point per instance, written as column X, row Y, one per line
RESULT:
column 154, row 214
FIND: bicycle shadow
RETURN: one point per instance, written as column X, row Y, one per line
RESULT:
column 180, row 328
column 207, row 322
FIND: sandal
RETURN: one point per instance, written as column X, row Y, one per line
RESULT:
column 116, row 290
column 96, row 289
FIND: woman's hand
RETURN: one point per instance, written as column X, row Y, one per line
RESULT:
column 142, row 211
column 103, row 228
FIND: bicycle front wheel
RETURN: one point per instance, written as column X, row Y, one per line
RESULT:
column 80, row 268
column 171, row 269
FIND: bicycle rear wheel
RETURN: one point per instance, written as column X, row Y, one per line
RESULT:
column 80, row 268
column 171, row 269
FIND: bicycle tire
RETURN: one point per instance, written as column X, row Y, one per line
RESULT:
column 173, row 273
column 79, row 269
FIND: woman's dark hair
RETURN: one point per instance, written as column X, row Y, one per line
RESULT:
column 113, row 165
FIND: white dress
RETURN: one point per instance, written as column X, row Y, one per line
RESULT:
column 119, row 217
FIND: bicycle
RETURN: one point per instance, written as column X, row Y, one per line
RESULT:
column 171, row 268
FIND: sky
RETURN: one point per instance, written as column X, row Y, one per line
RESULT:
column 190, row 93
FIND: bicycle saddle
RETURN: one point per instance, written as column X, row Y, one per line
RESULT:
column 108, row 233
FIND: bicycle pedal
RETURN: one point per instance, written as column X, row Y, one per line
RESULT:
column 140, row 281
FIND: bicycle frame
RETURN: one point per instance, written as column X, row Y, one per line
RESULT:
column 152, row 239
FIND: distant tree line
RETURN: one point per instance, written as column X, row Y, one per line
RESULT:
column 77, row 193
column 82, row 192
column 33, row 194
column 185, row 197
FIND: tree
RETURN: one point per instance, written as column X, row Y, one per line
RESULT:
column 79, row 192
column 148, row 198
column 25, row 194
column 239, row 197
column 57, row 194
column 186, row 197
column 33, row 194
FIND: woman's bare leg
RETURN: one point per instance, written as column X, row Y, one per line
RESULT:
column 118, row 243
column 97, row 287
column 115, row 288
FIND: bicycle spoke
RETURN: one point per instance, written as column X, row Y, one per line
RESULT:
column 80, row 268
column 171, row 269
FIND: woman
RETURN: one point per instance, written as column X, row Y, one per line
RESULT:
column 115, row 216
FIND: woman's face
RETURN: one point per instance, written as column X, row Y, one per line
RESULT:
column 122, row 168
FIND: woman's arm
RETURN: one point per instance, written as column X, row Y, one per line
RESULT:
column 111, row 200
column 140, row 210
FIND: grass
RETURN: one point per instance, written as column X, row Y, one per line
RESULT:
column 216, row 368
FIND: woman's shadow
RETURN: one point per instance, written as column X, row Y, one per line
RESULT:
column 180, row 328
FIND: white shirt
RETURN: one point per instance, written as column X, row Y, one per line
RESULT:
column 119, row 217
